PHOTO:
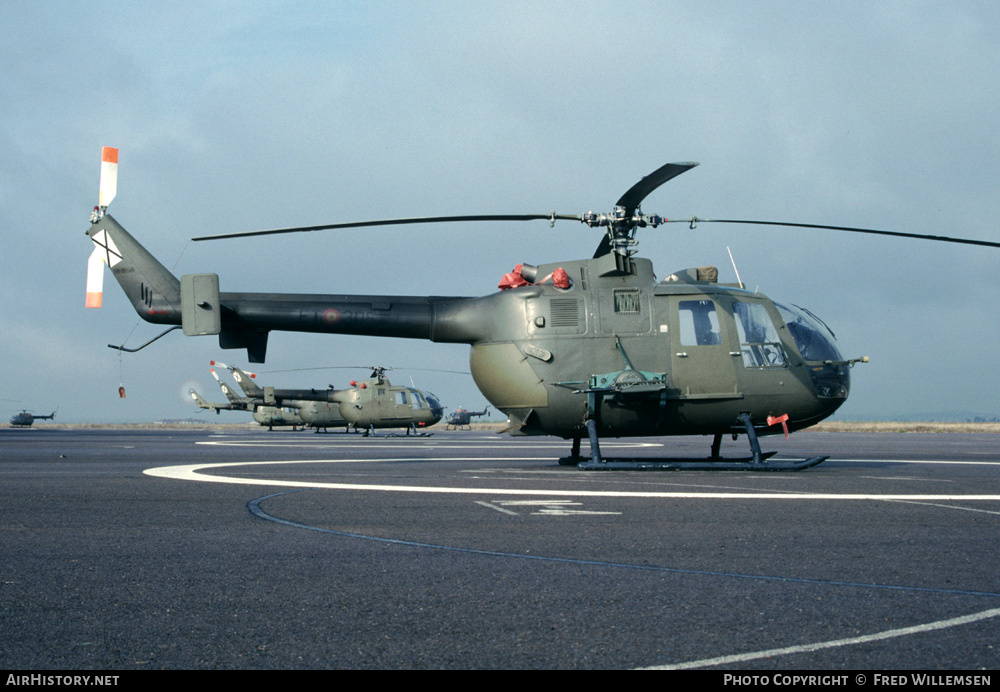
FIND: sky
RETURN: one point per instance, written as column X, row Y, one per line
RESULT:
column 238, row 116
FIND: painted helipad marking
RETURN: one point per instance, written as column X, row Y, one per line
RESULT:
column 944, row 462
column 533, row 444
column 424, row 444
column 808, row 648
column 549, row 508
column 255, row 508
column 192, row 472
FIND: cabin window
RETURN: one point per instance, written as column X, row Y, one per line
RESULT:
column 699, row 323
column 759, row 342
column 401, row 398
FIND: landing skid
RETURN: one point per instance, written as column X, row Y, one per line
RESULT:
column 698, row 465
column 759, row 461
column 410, row 432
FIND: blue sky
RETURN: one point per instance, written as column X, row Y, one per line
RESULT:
column 235, row 116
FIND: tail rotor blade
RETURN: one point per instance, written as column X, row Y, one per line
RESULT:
column 102, row 255
column 109, row 176
column 95, row 278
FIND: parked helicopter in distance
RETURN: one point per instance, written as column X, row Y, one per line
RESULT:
column 365, row 406
column 307, row 413
column 269, row 416
column 24, row 419
column 594, row 347
column 462, row 418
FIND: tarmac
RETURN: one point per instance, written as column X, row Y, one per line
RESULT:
column 243, row 549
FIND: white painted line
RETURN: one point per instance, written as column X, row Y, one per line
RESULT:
column 945, row 462
column 561, row 444
column 493, row 506
column 536, row 503
column 964, row 509
column 191, row 472
column 423, row 444
column 807, row 648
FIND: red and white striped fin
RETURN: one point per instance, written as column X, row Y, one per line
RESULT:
column 95, row 278
column 105, row 252
column 109, row 176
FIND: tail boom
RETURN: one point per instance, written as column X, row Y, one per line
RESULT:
column 246, row 318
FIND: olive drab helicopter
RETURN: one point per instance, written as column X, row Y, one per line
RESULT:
column 270, row 416
column 368, row 405
column 308, row 414
column 365, row 406
column 24, row 419
column 592, row 347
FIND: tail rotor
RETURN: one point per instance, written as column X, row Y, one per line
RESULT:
column 105, row 251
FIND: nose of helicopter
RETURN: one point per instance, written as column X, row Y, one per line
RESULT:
column 832, row 382
column 830, row 374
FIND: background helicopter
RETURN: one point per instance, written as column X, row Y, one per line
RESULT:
column 365, row 406
column 462, row 417
column 595, row 346
column 269, row 416
column 25, row 418
column 313, row 414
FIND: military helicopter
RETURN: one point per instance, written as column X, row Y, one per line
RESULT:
column 594, row 347
column 24, row 419
column 462, row 418
column 313, row 414
column 269, row 416
column 368, row 405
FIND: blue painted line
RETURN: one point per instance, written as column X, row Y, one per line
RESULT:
column 257, row 511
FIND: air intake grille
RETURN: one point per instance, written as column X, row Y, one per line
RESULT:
column 564, row 312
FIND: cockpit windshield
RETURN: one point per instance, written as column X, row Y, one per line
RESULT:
column 814, row 339
column 433, row 402
column 830, row 375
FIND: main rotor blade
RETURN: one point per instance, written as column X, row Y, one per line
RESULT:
column 365, row 367
column 947, row 239
column 398, row 222
column 638, row 192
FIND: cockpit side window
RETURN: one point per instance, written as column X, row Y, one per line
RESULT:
column 759, row 342
column 699, row 323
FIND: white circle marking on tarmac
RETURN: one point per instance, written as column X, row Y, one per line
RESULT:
column 192, row 472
